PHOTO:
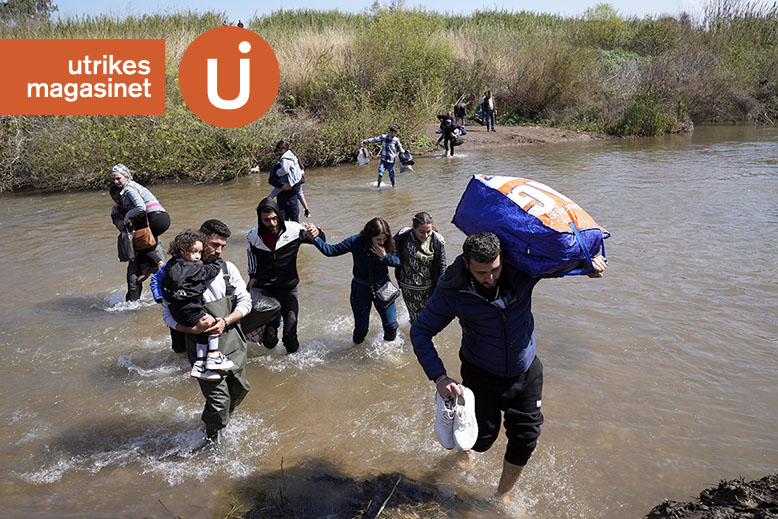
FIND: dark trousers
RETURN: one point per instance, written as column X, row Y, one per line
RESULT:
column 159, row 222
column 290, row 307
column 223, row 396
column 518, row 398
column 287, row 203
column 448, row 142
column 361, row 303
column 489, row 119
column 177, row 341
column 149, row 259
column 134, row 286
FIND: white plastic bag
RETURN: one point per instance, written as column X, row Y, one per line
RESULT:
column 363, row 157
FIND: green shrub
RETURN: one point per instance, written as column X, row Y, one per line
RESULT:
column 399, row 59
column 645, row 116
column 345, row 77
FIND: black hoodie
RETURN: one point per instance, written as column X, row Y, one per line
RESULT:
column 276, row 268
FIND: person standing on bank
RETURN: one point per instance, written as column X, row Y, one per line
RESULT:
column 492, row 300
column 422, row 252
column 371, row 251
column 143, row 208
column 390, row 147
column 226, row 299
column 272, row 266
column 489, row 110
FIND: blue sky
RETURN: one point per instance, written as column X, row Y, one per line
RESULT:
column 245, row 9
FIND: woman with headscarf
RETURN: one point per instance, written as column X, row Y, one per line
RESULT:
column 143, row 209
column 372, row 252
column 422, row 252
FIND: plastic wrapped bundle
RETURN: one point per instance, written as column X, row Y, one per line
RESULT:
column 542, row 231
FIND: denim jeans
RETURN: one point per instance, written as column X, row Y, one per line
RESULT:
column 489, row 119
column 361, row 302
column 388, row 166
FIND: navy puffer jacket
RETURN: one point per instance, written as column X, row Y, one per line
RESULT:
column 496, row 340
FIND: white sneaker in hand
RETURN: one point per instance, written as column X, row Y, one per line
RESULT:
column 465, row 424
column 444, row 421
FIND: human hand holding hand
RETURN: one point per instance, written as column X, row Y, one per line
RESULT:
column 312, row 230
column 217, row 328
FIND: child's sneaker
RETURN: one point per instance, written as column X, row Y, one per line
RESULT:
column 199, row 371
column 217, row 362
column 465, row 424
column 444, row 421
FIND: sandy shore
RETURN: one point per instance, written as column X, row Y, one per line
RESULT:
column 478, row 138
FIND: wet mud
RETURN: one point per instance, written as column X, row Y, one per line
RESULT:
column 732, row 499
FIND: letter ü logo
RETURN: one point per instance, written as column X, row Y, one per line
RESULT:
column 245, row 82
column 229, row 77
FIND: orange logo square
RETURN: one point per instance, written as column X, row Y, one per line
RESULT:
column 82, row 77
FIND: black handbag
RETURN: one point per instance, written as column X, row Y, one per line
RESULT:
column 384, row 295
column 124, row 245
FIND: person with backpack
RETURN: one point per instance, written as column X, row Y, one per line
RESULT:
column 489, row 110
column 287, row 178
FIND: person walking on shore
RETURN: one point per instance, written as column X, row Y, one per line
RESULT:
column 390, row 147
column 492, row 300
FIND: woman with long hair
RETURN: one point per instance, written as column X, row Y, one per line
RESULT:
column 373, row 253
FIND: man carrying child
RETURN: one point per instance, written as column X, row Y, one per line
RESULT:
column 226, row 301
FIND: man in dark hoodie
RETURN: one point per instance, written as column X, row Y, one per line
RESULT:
column 272, row 265
column 492, row 300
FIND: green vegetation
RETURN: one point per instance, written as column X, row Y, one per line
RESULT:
column 26, row 11
column 345, row 77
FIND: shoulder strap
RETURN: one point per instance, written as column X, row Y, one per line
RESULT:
column 229, row 288
column 370, row 272
column 144, row 203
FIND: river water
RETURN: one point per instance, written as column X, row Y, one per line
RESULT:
column 660, row 378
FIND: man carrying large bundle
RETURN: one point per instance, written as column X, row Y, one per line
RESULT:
column 492, row 300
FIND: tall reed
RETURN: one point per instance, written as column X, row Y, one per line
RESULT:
column 348, row 76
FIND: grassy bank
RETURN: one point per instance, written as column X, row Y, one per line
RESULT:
column 345, row 77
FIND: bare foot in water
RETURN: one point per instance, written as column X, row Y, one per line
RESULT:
column 464, row 460
column 503, row 499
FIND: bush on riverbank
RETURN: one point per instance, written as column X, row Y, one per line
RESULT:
column 345, row 77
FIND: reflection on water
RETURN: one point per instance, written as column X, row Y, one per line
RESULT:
column 665, row 367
